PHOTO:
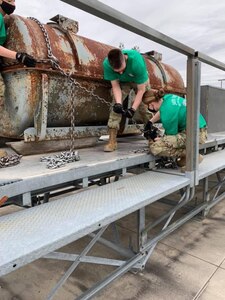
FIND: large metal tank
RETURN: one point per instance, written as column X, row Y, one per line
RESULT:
column 82, row 58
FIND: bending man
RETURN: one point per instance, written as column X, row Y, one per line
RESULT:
column 125, row 66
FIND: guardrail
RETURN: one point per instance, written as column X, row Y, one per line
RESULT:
column 194, row 58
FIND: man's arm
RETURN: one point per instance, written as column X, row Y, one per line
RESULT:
column 7, row 53
column 116, row 91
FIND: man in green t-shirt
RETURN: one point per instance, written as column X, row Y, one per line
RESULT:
column 172, row 113
column 125, row 69
column 7, row 7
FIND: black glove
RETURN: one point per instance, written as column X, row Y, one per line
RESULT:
column 151, row 134
column 129, row 113
column 150, row 131
column 26, row 59
column 148, row 126
column 118, row 108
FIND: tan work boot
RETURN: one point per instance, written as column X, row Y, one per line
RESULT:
column 112, row 144
column 3, row 153
column 181, row 161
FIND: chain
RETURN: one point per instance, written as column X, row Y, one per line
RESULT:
column 73, row 82
column 72, row 118
column 55, row 64
column 166, row 162
column 59, row 160
column 10, row 160
column 53, row 163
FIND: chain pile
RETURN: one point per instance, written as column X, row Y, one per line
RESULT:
column 166, row 163
column 60, row 160
column 10, row 160
column 142, row 150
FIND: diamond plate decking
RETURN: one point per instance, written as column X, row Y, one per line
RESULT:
column 30, row 234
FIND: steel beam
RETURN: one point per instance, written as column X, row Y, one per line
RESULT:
column 112, row 15
column 209, row 60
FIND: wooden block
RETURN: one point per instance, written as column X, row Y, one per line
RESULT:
column 30, row 148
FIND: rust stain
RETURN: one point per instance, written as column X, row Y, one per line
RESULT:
column 82, row 57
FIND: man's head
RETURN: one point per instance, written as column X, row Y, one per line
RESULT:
column 7, row 6
column 117, row 60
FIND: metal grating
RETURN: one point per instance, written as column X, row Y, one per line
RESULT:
column 30, row 234
column 212, row 163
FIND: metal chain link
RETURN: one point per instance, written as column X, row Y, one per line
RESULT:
column 72, row 118
column 166, row 163
column 10, row 160
column 60, row 160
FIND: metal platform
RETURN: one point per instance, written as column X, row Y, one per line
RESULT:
column 32, row 175
column 24, row 237
column 212, row 163
column 214, row 140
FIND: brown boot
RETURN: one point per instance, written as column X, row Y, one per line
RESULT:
column 112, row 144
column 3, row 153
column 181, row 161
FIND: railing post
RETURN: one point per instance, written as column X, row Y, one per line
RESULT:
column 193, row 110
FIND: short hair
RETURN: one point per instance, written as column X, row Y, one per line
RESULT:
column 115, row 57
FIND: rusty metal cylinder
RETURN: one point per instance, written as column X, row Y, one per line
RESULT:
column 82, row 58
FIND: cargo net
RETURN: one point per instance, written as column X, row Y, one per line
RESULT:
column 10, row 160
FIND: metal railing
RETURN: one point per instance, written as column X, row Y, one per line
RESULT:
column 194, row 58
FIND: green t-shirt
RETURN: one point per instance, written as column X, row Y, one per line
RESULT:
column 136, row 70
column 173, row 113
column 2, row 30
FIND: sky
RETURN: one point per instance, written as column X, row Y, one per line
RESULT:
column 199, row 24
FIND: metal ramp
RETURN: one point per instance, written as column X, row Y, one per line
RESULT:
column 24, row 237
column 214, row 140
column 213, row 164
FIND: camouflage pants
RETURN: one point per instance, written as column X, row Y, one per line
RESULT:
column 174, row 145
column 2, row 91
column 142, row 111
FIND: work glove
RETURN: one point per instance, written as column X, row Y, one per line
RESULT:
column 151, row 134
column 148, row 126
column 118, row 108
column 129, row 113
column 150, row 131
column 26, row 59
